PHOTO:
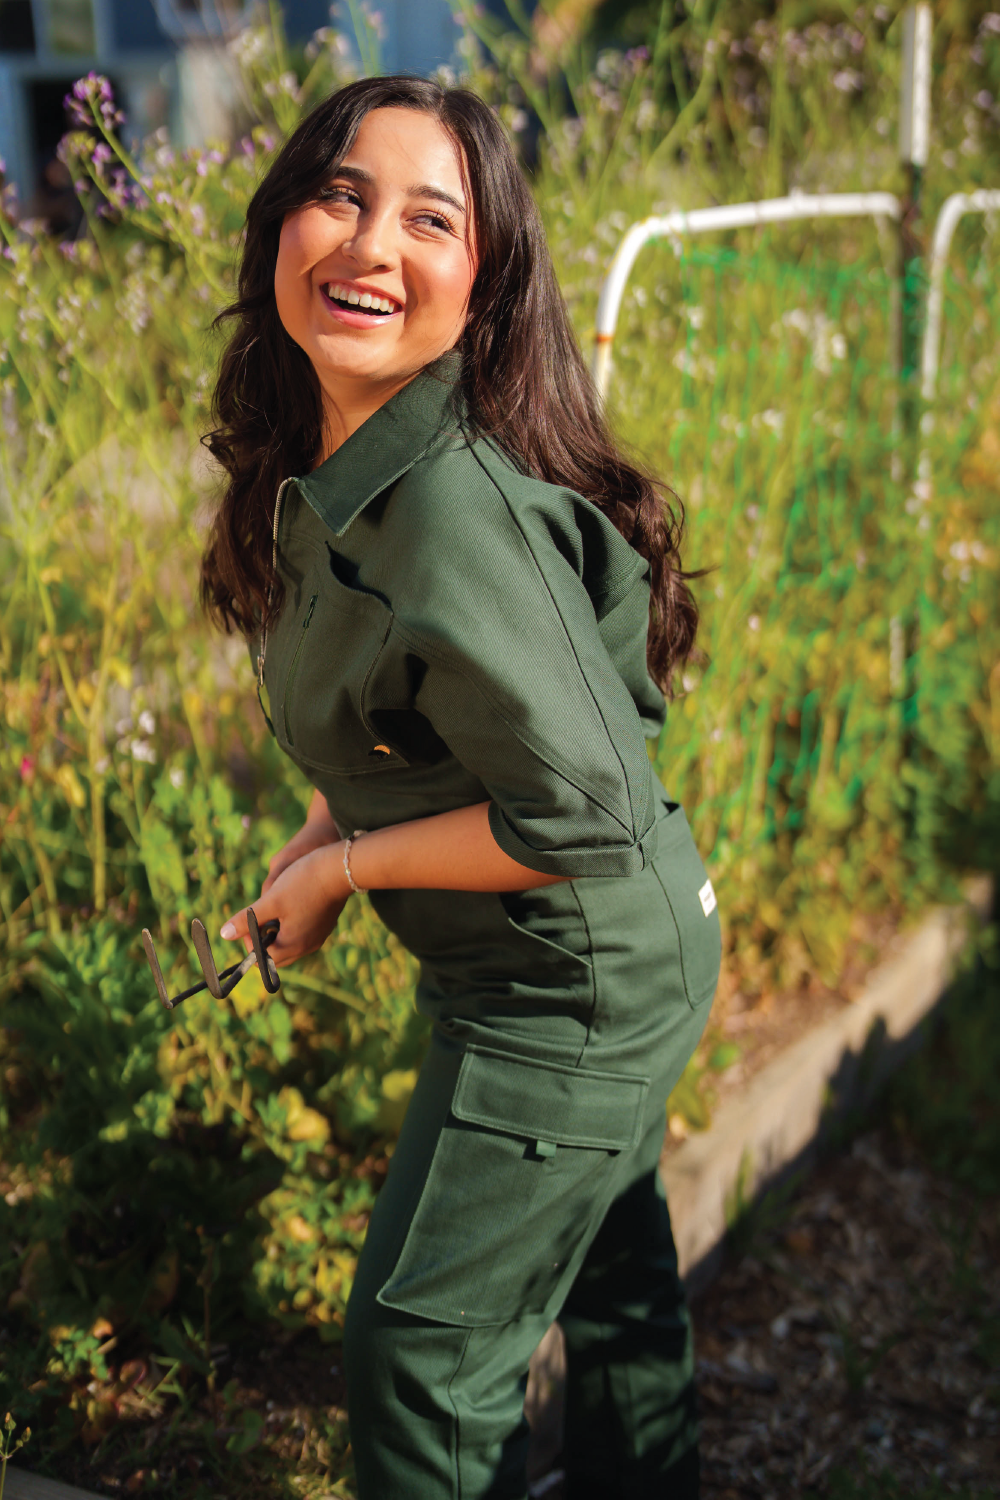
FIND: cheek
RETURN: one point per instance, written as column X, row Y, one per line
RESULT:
column 289, row 288
column 453, row 285
column 301, row 245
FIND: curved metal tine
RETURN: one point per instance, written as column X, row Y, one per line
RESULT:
column 231, row 977
column 203, row 948
column 154, row 964
column 265, row 963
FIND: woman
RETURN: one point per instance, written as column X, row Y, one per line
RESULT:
column 470, row 606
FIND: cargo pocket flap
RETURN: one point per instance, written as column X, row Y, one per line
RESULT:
column 543, row 1100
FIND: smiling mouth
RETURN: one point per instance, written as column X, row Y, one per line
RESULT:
column 362, row 302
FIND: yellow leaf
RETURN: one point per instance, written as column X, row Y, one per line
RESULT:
column 121, row 672
column 310, row 1126
column 299, row 1230
column 69, row 783
column 51, row 575
column 301, row 1122
column 87, row 691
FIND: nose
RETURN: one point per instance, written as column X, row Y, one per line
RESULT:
column 372, row 245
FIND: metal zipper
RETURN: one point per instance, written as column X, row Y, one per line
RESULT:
column 290, row 678
column 270, row 588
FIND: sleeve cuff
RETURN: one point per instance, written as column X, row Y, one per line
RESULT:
column 601, row 859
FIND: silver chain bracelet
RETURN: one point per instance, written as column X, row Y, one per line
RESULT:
column 360, row 889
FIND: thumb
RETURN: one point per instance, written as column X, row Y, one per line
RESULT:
column 237, row 925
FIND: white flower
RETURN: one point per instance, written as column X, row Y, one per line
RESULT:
column 754, row 622
column 146, row 722
column 143, row 750
column 177, row 778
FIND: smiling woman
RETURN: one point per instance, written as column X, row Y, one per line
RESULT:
column 465, row 607
column 373, row 279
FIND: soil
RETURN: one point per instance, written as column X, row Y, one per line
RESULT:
column 853, row 1348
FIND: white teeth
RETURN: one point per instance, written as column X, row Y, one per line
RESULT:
column 338, row 293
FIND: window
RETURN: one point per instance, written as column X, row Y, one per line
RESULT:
column 71, row 27
column 17, row 28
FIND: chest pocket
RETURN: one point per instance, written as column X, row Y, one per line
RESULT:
column 326, row 644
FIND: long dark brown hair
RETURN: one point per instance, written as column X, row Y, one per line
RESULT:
column 523, row 378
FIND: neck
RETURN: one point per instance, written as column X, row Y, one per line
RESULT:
column 349, row 404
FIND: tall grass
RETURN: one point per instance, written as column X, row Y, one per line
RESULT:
column 836, row 743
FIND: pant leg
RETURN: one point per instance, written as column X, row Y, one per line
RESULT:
column 436, row 1408
column 631, row 1430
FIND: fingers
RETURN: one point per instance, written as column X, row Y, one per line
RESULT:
column 236, row 927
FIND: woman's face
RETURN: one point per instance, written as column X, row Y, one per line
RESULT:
column 373, row 279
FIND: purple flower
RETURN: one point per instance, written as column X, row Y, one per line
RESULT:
column 102, row 152
column 90, row 96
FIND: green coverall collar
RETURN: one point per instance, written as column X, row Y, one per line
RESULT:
column 386, row 445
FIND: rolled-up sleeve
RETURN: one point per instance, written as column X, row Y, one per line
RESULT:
column 517, row 682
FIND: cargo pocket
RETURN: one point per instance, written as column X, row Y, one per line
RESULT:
column 693, row 906
column 521, row 1170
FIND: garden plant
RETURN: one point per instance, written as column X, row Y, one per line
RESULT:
column 169, row 1180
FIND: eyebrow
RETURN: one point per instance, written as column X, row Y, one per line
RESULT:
column 419, row 190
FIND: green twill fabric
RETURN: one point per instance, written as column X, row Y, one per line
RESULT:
column 454, row 631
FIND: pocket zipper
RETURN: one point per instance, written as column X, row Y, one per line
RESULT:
column 290, row 679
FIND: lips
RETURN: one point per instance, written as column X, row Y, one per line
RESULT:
column 361, row 301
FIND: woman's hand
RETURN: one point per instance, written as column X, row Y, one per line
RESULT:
column 307, row 898
column 317, row 830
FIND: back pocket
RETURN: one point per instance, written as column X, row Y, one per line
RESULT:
column 520, row 1176
column 691, row 899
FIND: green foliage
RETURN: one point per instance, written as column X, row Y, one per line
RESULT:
column 9, row 1445
column 168, row 1178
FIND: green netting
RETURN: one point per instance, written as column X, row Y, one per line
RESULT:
column 847, row 596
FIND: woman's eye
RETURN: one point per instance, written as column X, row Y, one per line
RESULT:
column 340, row 195
column 438, row 221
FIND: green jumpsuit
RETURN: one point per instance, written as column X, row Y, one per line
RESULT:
column 453, row 632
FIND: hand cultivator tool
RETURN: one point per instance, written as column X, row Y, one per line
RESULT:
column 220, row 985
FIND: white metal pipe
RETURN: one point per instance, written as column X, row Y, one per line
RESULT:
column 703, row 220
column 915, row 101
column 984, row 201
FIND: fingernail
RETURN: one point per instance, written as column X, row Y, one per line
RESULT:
column 229, row 931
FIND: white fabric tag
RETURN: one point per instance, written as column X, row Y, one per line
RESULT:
column 707, row 898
